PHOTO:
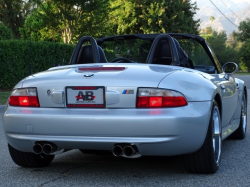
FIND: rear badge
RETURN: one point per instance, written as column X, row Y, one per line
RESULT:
column 48, row 92
column 128, row 92
column 89, row 75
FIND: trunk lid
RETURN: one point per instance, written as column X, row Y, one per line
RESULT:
column 119, row 82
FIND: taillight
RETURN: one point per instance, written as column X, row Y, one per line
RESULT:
column 26, row 97
column 157, row 98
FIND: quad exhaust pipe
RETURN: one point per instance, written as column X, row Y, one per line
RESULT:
column 45, row 148
column 124, row 150
column 49, row 148
column 128, row 150
column 117, row 150
column 38, row 148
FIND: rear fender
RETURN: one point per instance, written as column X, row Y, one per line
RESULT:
column 193, row 85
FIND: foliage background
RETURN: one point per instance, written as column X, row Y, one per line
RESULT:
column 224, row 50
column 5, row 32
column 42, row 28
column 18, row 57
column 243, row 36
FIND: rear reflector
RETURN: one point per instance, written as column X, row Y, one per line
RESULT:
column 102, row 69
column 25, row 97
column 157, row 98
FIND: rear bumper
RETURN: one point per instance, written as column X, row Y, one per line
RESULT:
column 169, row 131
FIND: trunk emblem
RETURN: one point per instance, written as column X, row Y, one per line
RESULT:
column 48, row 92
column 89, row 75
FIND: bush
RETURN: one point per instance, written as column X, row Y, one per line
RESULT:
column 5, row 33
column 18, row 57
column 244, row 55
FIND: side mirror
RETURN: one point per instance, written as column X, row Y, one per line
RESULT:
column 230, row 68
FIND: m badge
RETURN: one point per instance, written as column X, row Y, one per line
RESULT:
column 128, row 92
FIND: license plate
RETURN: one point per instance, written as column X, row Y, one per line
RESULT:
column 85, row 96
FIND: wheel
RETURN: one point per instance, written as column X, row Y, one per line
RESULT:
column 31, row 160
column 121, row 60
column 240, row 132
column 207, row 159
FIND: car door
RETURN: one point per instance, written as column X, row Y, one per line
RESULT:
column 229, row 93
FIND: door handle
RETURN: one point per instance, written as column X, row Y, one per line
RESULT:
column 237, row 86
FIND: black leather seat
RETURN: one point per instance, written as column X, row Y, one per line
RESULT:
column 163, row 53
column 86, row 55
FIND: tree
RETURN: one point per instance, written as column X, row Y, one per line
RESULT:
column 66, row 20
column 219, row 43
column 233, row 42
column 244, row 55
column 5, row 32
column 148, row 16
column 212, row 18
column 13, row 14
column 207, row 32
column 243, row 33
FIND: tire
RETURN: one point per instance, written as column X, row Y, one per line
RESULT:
column 30, row 160
column 240, row 132
column 207, row 159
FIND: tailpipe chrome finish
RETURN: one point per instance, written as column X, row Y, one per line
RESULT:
column 117, row 150
column 130, row 151
column 37, row 148
column 126, row 150
column 49, row 148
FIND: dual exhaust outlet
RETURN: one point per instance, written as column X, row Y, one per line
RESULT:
column 129, row 151
column 44, row 148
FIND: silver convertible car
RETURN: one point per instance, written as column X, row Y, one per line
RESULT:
column 129, row 95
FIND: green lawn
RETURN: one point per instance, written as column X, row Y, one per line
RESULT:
column 242, row 73
column 4, row 96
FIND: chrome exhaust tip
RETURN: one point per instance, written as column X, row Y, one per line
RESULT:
column 129, row 151
column 48, row 149
column 117, row 151
column 37, row 148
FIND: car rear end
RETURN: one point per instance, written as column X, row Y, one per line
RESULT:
column 117, row 108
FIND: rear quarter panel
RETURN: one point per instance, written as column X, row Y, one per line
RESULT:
column 194, row 85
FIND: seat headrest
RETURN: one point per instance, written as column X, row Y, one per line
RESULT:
column 86, row 55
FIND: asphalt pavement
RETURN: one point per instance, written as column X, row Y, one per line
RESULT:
column 73, row 168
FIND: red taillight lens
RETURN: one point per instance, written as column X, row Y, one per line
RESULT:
column 26, row 97
column 157, row 98
column 175, row 101
column 155, row 101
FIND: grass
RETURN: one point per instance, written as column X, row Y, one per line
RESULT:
column 4, row 96
column 242, row 73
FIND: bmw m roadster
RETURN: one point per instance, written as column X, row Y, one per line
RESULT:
column 130, row 95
